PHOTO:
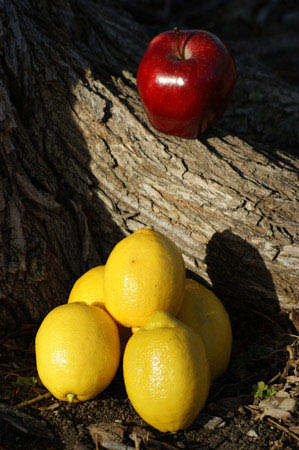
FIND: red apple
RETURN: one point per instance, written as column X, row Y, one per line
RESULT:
column 185, row 80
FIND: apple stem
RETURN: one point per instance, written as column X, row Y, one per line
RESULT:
column 177, row 32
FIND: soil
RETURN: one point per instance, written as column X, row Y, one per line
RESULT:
column 264, row 341
column 259, row 354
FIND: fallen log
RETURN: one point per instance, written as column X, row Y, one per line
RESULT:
column 81, row 167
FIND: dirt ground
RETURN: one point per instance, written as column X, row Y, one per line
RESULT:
column 265, row 346
column 264, row 349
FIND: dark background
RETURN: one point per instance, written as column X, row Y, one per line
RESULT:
column 270, row 25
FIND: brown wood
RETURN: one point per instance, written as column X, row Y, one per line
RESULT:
column 81, row 167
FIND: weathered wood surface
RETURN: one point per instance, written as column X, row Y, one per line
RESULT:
column 81, row 167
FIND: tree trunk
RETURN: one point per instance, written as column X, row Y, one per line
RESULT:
column 81, row 167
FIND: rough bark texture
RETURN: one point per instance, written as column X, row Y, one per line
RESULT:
column 81, row 167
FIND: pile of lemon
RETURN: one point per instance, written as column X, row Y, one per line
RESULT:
column 181, row 334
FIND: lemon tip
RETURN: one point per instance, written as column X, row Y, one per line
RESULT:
column 70, row 397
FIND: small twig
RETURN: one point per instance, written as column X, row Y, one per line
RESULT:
column 33, row 400
column 113, row 445
column 51, row 407
column 285, row 429
column 270, row 354
column 221, row 389
column 291, row 352
column 137, row 440
column 252, row 408
column 278, row 375
column 266, row 317
column 162, row 444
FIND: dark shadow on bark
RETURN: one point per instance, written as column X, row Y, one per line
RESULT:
column 259, row 327
column 234, row 265
column 54, row 225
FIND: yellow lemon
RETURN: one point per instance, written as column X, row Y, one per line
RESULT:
column 145, row 272
column 90, row 287
column 166, row 373
column 205, row 313
column 77, row 351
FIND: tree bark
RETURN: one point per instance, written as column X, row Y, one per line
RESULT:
column 81, row 167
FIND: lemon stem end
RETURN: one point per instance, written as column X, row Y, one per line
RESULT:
column 70, row 398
